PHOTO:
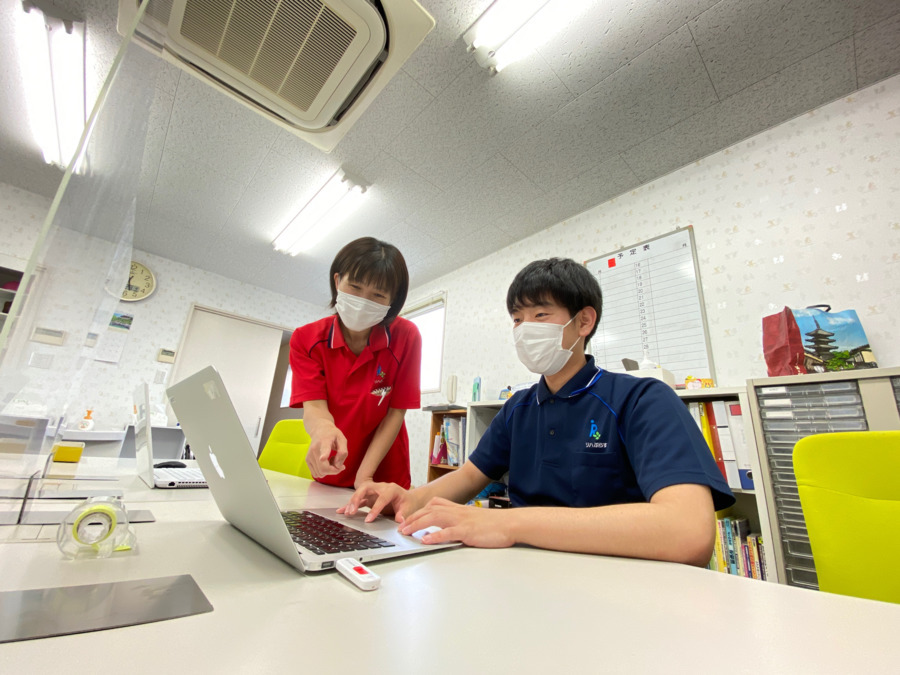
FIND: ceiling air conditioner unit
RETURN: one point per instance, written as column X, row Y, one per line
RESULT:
column 311, row 66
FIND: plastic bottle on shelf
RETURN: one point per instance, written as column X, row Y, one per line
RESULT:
column 87, row 422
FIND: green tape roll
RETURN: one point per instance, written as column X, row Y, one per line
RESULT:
column 95, row 525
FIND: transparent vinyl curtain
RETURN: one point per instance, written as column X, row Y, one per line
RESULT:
column 79, row 266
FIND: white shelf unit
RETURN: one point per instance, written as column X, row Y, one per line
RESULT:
column 478, row 417
column 750, row 503
column 786, row 409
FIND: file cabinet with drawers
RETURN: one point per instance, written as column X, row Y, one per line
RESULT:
column 786, row 409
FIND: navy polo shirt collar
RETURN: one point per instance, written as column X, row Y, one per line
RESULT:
column 379, row 336
column 580, row 382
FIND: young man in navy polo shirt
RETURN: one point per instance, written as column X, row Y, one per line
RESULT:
column 608, row 463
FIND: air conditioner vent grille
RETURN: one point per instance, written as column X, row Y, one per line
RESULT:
column 159, row 10
column 289, row 47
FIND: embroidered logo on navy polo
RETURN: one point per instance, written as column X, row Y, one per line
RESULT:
column 595, row 435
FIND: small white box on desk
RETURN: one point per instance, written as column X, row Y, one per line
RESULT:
column 657, row 373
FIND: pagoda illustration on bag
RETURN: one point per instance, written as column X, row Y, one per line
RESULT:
column 814, row 340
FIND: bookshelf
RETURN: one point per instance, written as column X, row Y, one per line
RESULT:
column 438, row 413
column 478, row 417
column 749, row 502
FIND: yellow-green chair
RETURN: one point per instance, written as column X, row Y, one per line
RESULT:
column 285, row 451
column 849, row 486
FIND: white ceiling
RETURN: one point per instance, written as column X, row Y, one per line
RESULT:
column 462, row 163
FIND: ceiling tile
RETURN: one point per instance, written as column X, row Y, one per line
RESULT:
column 665, row 84
column 299, row 151
column 593, row 47
column 481, row 198
column 26, row 170
column 476, row 116
column 774, row 34
column 822, row 77
column 157, row 125
column 878, row 51
column 600, row 183
column 217, row 131
column 442, row 55
column 414, row 244
column 192, row 196
column 397, row 104
column 406, row 189
column 277, row 192
column 168, row 77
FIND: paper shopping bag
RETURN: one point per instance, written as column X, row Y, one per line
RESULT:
column 815, row 340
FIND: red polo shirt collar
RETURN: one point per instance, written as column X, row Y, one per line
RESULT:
column 379, row 336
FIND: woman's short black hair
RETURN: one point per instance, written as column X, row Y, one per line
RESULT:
column 370, row 261
column 560, row 280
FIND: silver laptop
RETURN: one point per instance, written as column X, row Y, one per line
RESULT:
column 143, row 451
column 238, row 485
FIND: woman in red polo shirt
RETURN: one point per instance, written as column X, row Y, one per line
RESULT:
column 356, row 373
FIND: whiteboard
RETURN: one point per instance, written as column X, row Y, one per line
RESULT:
column 653, row 302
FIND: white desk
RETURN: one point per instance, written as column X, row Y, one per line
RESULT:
column 458, row 611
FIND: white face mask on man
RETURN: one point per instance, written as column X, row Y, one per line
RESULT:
column 539, row 346
column 357, row 313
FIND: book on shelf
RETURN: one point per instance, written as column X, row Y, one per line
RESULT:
column 438, row 450
column 761, row 557
column 740, row 529
column 722, row 434
column 707, row 426
column 463, row 446
column 718, row 559
column 741, row 451
column 451, row 436
column 694, row 409
column 738, row 551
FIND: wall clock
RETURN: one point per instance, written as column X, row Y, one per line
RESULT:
column 141, row 283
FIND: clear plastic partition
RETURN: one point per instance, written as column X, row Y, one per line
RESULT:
column 78, row 269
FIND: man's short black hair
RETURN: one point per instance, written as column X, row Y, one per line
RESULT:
column 371, row 261
column 560, row 280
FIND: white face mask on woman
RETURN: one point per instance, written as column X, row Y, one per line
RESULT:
column 357, row 313
column 539, row 346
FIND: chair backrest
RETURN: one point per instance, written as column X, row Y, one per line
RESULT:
column 849, row 485
column 285, row 450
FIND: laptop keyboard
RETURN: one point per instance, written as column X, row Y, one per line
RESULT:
column 323, row 536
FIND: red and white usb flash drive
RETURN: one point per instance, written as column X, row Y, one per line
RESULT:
column 361, row 576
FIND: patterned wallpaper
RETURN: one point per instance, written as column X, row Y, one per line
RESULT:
column 21, row 216
column 805, row 213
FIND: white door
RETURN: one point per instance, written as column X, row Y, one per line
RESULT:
column 243, row 351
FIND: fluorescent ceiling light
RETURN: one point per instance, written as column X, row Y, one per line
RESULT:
column 331, row 206
column 511, row 29
column 51, row 57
